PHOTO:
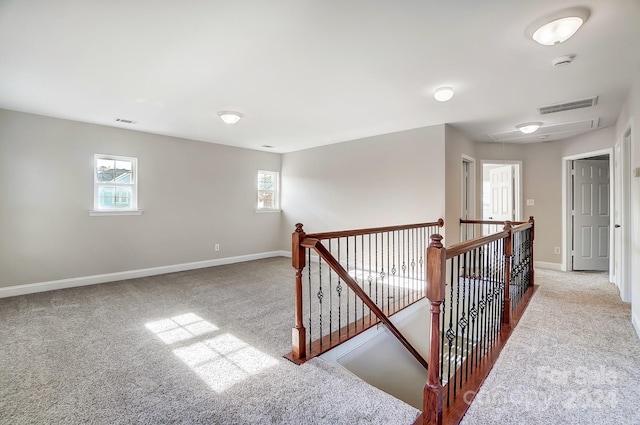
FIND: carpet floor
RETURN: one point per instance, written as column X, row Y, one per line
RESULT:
column 205, row 347
column 196, row 347
column 574, row 358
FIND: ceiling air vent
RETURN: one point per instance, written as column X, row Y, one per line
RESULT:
column 568, row 106
column 122, row 120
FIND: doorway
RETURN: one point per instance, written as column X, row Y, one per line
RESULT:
column 590, row 213
column 501, row 189
column 587, row 220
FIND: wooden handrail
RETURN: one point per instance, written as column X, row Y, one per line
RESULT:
column 522, row 227
column 462, row 247
column 465, row 221
column 358, row 232
column 316, row 245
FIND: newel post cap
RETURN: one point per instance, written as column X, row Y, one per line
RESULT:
column 436, row 241
column 299, row 228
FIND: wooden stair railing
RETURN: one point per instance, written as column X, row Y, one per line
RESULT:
column 335, row 265
column 512, row 251
column 385, row 275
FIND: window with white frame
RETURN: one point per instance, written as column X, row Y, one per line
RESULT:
column 115, row 185
column 268, row 193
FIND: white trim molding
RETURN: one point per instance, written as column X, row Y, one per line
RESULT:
column 32, row 288
column 636, row 323
column 547, row 265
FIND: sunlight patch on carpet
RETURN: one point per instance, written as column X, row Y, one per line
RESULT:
column 180, row 328
column 221, row 361
column 224, row 361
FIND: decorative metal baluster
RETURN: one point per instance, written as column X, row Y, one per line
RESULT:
column 482, row 304
column 460, row 322
column 365, row 275
column 347, row 294
column 403, row 247
column 330, row 297
column 339, row 291
column 355, row 273
column 382, row 274
column 495, row 261
column 464, row 321
column 320, row 296
column 389, row 281
column 450, row 334
column 393, row 271
column 309, row 266
column 473, row 310
column 369, row 277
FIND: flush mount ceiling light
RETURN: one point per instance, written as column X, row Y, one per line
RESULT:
column 529, row 127
column 443, row 94
column 230, row 117
column 558, row 27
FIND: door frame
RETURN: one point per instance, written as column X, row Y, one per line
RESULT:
column 471, row 188
column 468, row 190
column 566, row 205
column 517, row 194
column 623, row 190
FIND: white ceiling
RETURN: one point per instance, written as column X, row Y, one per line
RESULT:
column 308, row 73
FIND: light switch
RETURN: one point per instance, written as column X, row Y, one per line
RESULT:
column 530, row 202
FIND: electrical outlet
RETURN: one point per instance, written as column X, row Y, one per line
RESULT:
column 556, row 250
column 217, row 247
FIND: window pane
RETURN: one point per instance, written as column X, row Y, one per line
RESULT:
column 265, row 181
column 105, row 170
column 123, row 197
column 266, row 199
column 106, row 197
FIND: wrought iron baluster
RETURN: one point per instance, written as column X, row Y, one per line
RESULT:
column 330, row 297
column 355, row 273
column 339, row 291
column 320, row 295
column 348, row 291
column 309, row 266
column 473, row 311
column 464, row 321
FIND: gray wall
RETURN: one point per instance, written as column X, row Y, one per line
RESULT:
column 194, row 194
column 384, row 180
column 456, row 146
column 542, row 181
column 630, row 117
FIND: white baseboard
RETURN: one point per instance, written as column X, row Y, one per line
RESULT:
column 548, row 266
column 636, row 323
column 31, row 288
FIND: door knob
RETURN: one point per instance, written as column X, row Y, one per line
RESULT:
column 616, row 226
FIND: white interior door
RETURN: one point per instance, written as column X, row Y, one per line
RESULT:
column 591, row 215
column 501, row 188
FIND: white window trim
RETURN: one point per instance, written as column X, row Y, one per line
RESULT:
column 276, row 191
column 97, row 212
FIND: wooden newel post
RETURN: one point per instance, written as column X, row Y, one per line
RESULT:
column 436, row 265
column 298, row 333
column 508, row 251
column 533, row 228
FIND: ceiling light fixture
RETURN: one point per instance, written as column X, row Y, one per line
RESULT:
column 529, row 127
column 443, row 94
column 230, row 117
column 559, row 26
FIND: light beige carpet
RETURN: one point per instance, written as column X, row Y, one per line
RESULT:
column 574, row 358
column 197, row 347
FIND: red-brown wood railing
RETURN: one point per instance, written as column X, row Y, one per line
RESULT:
column 491, row 280
column 366, row 275
column 348, row 281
